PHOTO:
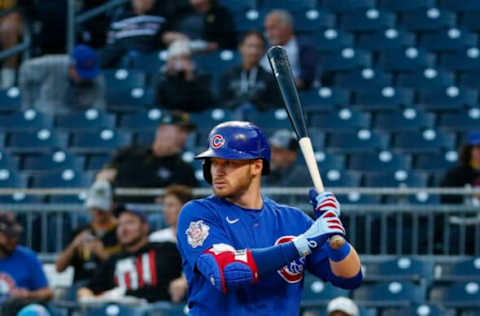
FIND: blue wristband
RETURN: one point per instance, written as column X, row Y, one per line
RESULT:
column 339, row 254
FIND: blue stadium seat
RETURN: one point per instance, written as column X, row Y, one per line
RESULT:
column 20, row 198
column 384, row 160
column 343, row 119
column 388, row 294
column 450, row 97
column 345, row 59
column 327, row 160
column 461, row 5
column 144, row 137
column 469, row 79
column 209, row 118
column 322, row 311
column 126, row 88
column 367, row 20
column 273, row 119
column 289, row 5
column 464, row 270
column 418, row 310
column 10, row 99
column 332, row 40
column 10, row 178
column 42, row 140
column 401, row 268
column 251, row 19
column 399, row 178
column 424, row 20
column 67, row 178
column 121, row 310
column 437, row 161
column 317, row 137
column 423, row 198
column 68, row 199
column 427, row 79
column 402, row 120
column 317, row 292
column 358, row 198
column 141, row 120
column 8, row 161
column 240, row 5
column 151, row 63
column 385, row 96
column 466, row 60
column 388, row 39
column 363, row 140
column 462, row 121
column 47, row 162
column 409, row 59
column 218, row 61
column 363, row 79
column 97, row 162
column 341, row 178
column 348, row 5
column 460, row 295
column 312, row 20
column 405, row 5
column 324, row 98
column 453, row 39
column 27, row 120
column 90, row 119
column 100, row 141
column 470, row 20
column 429, row 140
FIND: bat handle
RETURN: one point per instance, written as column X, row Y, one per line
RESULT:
column 305, row 144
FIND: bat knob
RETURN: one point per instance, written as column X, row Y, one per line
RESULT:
column 336, row 241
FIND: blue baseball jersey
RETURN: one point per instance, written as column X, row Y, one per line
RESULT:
column 205, row 222
column 22, row 269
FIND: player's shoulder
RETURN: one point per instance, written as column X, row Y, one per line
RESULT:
column 200, row 207
column 286, row 211
column 25, row 253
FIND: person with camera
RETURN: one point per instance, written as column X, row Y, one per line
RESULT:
column 179, row 85
column 96, row 242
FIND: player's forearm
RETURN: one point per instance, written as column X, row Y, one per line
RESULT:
column 41, row 295
column 343, row 263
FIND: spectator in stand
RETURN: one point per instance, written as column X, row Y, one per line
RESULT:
column 61, row 83
column 210, row 26
column 173, row 199
column 467, row 173
column 22, row 279
column 11, row 30
column 249, row 83
column 96, row 242
column 179, row 86
column 284, row 170
column 141, row 29
column 143, row 269
column 157, row 166
column 302, row 55
column 342, row 306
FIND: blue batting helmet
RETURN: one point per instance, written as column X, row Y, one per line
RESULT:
column 236, row 140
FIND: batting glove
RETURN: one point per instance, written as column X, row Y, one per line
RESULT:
column 325, row 226
column 324, row 202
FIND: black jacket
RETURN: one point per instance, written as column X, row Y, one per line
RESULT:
column 255, row 86
column 146, row 273
column 138, row 167
column 174, row 92
column 458, row 177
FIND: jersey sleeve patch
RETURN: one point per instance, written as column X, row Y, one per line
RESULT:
column 196, row 233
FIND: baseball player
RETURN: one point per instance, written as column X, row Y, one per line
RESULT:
column 244, row 254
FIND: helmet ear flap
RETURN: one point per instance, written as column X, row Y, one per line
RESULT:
column 207, row 174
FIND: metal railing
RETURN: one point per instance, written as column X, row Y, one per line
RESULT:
column 374, row 229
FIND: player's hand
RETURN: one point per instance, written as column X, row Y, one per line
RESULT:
column 327, row 225
column 324, row 202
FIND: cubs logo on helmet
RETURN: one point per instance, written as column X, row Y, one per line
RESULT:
column 293, row 272
column 217, row 141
